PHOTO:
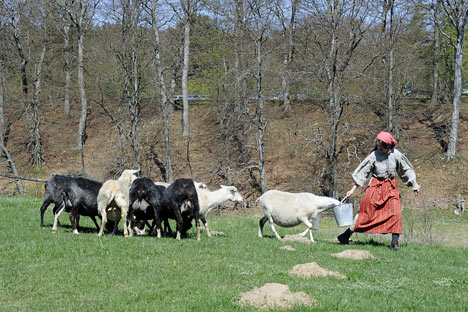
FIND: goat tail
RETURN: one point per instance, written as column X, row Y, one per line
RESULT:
column 257, row 200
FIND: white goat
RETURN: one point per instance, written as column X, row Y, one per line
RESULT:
column 290, row 209
column 113, row 200
column 209, row 199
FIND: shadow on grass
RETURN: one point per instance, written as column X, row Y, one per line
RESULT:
column 370, row 242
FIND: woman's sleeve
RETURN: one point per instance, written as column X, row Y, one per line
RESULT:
column 362, row 172
column 406, row 172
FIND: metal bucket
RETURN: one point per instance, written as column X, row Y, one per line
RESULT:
column 316, row 223
column 343, row 214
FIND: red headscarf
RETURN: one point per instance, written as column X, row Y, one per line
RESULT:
column 386, row 138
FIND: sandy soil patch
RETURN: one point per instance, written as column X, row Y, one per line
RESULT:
column 275, row 296
column 287, row 247
column 296, row 238
column 216, row 233
column 355, row 254
column 313, row 269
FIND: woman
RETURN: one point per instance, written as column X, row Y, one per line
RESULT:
column 380, row 209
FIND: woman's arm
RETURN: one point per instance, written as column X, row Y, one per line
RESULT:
column 351, row 191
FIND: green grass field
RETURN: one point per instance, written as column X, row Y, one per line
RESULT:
column 42, row 271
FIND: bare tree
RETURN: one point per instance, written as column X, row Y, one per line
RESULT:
column 166, row 96
column 131, row 17
column 190, row 9
column 2, row 79
column 288, row 40
column 336, row 29
column 259, row 23
column 80, row 14
column 435, row 8
column 67, row 67
column 456, row 11
column 63, row 25
column 388, row 15
column 31, row 102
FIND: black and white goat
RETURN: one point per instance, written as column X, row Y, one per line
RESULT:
column 179, row 192
column 80, row 198
column 146, row 204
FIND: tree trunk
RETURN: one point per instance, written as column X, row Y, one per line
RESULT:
column 459, row 21
column 285, row 82
column 260, row 123
column 457, row 86
column 185, row 114
column 84, row 103
column 31, row 118
column 435, row 60
column 135, row 108
column 390, row 104
column 35, row 133
column 287, row 58
column 2, row 116
column 66, row 37
column 12, row 166
column 24, row 77
column 164, row 100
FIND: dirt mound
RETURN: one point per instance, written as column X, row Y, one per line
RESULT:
column 216, row 233
column 296, row 238
column 275, row 296
column 287, row 247
column 313, row 269
column 355, row 254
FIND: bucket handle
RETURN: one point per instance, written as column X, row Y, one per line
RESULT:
column 344, row 199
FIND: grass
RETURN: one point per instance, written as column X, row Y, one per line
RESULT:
column 41, row 271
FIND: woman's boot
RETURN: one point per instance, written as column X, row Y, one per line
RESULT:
column 394, row 244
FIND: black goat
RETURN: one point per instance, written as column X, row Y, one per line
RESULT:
column 80, row 197
column 146, row 204
column 53, row 193
column 176, row 194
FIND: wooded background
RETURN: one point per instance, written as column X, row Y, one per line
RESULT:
column 361, row 66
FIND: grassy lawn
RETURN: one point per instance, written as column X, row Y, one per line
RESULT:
column 42, row 271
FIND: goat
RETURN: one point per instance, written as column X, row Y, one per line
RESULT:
column 80, row 197
column 140, row 223
column 113, row 200
column 176, row 194
column 290, row 209
column 145, row 204
column 53, row 194
column 210, row 199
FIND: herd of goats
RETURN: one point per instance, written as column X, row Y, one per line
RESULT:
column 136, row 201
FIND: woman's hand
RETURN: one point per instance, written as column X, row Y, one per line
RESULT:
column 351, row 191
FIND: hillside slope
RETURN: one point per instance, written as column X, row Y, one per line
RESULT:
column 291, row 157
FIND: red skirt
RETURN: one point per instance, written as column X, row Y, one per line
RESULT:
column 380, row 209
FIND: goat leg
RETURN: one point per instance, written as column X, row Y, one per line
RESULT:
column 43, row 209
column 272, row 227
column 261, row 223
column 95, row 222
column 203, row 220
column 103, row 220
column 309, row 228
column 56, row 216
